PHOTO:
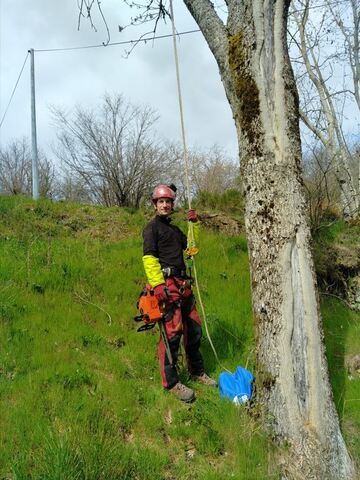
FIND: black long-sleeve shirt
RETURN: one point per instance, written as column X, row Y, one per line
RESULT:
column 165, row 242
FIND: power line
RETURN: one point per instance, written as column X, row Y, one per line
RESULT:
column 147, row 39
column 13, row 92
column 126, row 42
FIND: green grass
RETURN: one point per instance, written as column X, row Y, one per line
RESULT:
column 80, row 390
column 342, row 337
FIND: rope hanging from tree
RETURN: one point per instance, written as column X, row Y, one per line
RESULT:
column 187, row 178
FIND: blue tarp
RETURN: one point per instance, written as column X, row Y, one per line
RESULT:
column 237, row 386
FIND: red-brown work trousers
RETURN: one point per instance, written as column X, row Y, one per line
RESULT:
column 183, row 320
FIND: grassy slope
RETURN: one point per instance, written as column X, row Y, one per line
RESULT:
column 80, row 394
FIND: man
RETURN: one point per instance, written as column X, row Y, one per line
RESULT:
column 165, row 269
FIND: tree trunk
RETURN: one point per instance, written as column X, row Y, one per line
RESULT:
column 349, row 197
column 292, row 375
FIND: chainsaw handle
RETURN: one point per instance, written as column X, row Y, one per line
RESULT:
column 146, row 326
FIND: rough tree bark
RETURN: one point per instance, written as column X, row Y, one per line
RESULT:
column 251, row 53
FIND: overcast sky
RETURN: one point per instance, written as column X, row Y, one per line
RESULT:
column 147, row 77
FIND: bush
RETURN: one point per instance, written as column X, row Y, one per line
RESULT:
column 230, row 200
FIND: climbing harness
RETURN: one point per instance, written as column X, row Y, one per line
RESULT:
column 192, row 250
column 173, row 272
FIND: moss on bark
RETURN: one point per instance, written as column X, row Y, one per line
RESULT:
column 245, row 88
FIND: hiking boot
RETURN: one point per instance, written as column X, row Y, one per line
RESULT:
column 182, row 392
column 205, row 380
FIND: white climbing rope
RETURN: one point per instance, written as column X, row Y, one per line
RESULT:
column 187, row 178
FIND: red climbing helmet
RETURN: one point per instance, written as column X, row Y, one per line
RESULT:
column 163, row 191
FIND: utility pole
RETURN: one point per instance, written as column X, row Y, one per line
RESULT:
column 35, row 170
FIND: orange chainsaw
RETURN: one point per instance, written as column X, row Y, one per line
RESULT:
column 149, row 309
column 151, row 313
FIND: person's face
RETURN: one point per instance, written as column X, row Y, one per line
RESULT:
column 164, row 206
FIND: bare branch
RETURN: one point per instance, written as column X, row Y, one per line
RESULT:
column 88, row 6
column 211, row 26
column 112, row 151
